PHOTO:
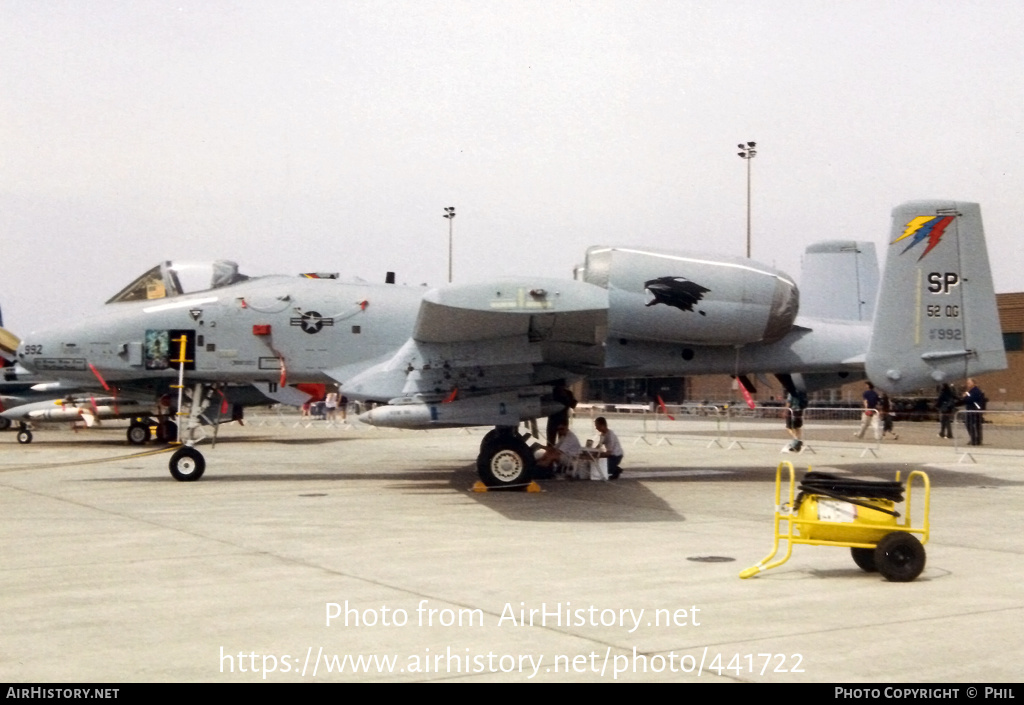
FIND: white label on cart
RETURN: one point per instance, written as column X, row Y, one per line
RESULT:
column 834, row 510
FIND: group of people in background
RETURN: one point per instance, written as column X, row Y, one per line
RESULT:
column 974, row 402
column 329, row 408
column 877, row 412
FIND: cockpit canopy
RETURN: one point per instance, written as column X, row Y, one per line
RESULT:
column 169, row 279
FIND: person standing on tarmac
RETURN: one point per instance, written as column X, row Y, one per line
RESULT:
column 974, row 402
column 796, row 402
column 870, row 413
column 946, row 405
column 564, row 396
column 886, row 416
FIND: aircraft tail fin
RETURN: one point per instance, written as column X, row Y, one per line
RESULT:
column 936, row 318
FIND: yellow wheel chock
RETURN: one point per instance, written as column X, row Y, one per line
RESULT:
column 532, row 487
column 834, row 510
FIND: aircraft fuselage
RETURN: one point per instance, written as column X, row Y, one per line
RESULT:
column 271, row 329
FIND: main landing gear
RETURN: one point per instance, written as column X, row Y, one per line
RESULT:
column 505, row 460
column 140, row 431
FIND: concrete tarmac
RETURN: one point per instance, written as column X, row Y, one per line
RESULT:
column 327, row 554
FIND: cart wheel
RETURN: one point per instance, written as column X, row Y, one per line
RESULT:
column 865, row 559
column 899, row 557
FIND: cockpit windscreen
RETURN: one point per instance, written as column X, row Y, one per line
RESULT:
column 169, row 279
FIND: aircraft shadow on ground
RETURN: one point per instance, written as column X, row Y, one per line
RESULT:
column 573, row 501
column 581, row 502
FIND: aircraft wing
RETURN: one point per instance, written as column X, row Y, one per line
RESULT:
column 486, row 338
column 544, row 310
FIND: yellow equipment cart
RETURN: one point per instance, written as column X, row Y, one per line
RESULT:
column 834, row 510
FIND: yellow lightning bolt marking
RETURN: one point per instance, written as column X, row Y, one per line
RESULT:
column 913, row 226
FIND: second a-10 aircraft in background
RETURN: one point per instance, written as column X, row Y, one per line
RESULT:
column 489, row 354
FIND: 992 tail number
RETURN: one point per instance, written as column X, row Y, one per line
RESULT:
column 945, row 334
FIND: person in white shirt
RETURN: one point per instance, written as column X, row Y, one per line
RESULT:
column 562, row 453
column 331, row 405
column 612, row 448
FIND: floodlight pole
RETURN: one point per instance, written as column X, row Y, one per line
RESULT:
column 449, row 213
column 748, row 153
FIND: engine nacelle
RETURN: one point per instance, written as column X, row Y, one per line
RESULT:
column 678, row 298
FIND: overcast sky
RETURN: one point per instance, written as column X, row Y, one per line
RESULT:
column 329, row 136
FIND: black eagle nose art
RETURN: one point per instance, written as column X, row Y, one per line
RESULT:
column 675, row 291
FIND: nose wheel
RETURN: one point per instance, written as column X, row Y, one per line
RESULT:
column 187, row 464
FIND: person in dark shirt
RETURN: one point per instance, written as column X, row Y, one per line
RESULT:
column 870, row 413
column 974, row 402
column 886, row 414
column 562, row 395
column 946, row 404
column 796, row 402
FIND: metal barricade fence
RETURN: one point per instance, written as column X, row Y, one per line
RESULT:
column 734, row 425
column 682, row 419
column 994, row 431
column 292, row 416
column 843, row 426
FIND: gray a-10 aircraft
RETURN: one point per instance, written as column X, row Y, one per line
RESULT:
column 489, row 354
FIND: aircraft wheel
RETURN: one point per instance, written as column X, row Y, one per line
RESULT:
column 865, row 559
column 489, row 438
column 138, row 434
column 505, row 462
column 187, row 464
column 899, row 557
column 24, row 436
column 4, row 423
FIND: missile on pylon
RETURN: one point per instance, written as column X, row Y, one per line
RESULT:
column 61, row 410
